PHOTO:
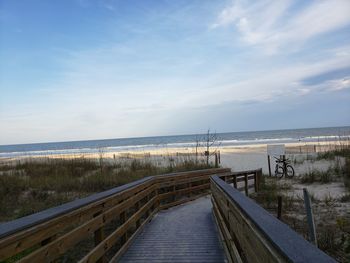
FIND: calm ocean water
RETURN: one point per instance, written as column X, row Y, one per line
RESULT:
column 147, row 143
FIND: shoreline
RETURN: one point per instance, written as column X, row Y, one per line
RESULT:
column 163, row 151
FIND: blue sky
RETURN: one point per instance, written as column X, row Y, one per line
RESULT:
column 91, row 69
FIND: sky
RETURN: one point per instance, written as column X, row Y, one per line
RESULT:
column 96, row 69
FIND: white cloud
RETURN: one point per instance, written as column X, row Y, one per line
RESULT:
column 332, row 85
column 304, row 91
column 274, row 24
column 337, row 84
column 273, row 82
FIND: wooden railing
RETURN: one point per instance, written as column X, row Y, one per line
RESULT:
column 235, row 178
column 251, row 234
column 99, row 227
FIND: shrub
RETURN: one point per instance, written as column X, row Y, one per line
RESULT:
column 316, row 176
column 309, row 177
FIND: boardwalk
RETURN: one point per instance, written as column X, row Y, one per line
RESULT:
column 150, row 231
column 186, row 233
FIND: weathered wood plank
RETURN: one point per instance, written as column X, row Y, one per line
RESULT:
column 230, row 244
column 182, row 201
column 106, row 244
column 261, row 237
column 192, row 236
column 252, row 247
column 122, row 250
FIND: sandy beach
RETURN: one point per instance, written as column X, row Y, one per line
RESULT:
column 238, row 158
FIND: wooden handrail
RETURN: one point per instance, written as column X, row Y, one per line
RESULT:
column 244, row 176
column 47, row 235
column 22, row 223
column 252, row 234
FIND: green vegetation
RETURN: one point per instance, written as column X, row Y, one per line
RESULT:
column 339, row 170
column 333, row 237
column 269, row 191
column 331, row 155
column 30, row 186
column 316, row 176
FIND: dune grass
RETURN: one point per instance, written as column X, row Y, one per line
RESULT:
column 317, row 176
column 339, row 169
column 33, row 185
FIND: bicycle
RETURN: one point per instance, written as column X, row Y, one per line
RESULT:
column 283, row 167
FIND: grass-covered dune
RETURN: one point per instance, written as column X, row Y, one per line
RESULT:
column 29, row 186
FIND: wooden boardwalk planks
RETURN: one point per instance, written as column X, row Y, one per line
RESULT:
column 186, row 233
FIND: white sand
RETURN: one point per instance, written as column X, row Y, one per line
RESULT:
column 321, row 191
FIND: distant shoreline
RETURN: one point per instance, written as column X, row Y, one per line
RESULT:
column 293, row 147
column 165, row 145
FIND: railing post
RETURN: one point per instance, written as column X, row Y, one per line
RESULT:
column 147, row 211
column 246, row 184
column 137, row 207
column 122, row 219
column 256, row 181
column 258, row 177
column 235, row 181
column 158, row 199
column 98, row 238
column 174, row 195
column 279, row 207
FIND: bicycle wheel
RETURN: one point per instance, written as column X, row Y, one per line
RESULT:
column 279, row 171
column 290, row 171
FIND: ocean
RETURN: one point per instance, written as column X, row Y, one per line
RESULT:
column 148, row 143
